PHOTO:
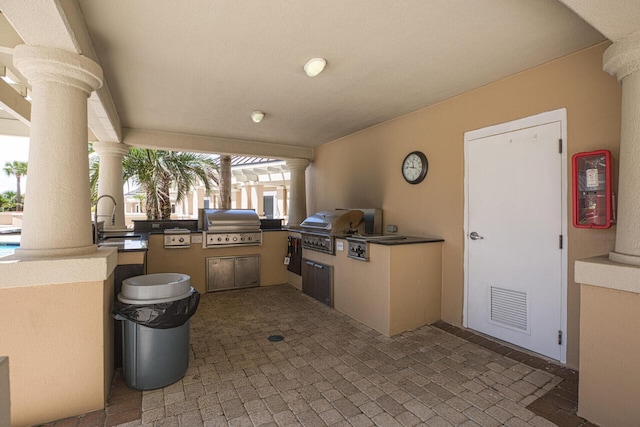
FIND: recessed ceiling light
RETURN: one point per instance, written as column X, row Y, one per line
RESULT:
column 257, row 116
column 314, row 66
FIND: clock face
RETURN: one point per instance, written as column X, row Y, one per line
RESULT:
column 414, row 167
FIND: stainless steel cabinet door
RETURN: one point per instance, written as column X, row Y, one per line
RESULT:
column 220, row 273
column 317, row 281
column 247, row 271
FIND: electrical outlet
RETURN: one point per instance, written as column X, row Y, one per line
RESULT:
column 196, row 238
column 392, row 228
column 340, row 246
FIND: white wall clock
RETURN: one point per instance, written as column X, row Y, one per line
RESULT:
column 415, row 167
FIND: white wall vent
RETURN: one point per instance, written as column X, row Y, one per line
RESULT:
column 510, row 308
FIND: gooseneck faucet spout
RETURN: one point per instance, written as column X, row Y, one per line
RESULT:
column 95, row 217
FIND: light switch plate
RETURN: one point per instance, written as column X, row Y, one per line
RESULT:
column 340, row 246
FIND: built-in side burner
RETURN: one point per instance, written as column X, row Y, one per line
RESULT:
column 359, row 245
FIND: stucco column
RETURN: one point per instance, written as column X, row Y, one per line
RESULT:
column 198, row 200
column 298, row 194
column 257, row 197
column 236, row 198
column 282, row 201
column 622, row 59
column 244, row 196
column 188, row 203
column 57, row 220
column 110, row 182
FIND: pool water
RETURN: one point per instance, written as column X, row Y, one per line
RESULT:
column 8, row 248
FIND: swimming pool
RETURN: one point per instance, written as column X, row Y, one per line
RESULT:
column 8, row 248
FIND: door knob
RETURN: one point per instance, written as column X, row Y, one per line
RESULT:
column 475, row 236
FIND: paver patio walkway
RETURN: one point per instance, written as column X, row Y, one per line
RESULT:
column 331, row 370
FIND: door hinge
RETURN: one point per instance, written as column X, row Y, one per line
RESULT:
column 560, row 241
column 559, row 337
column 560, row 146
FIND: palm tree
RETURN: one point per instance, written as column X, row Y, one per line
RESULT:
column 225, row 182
column 19, row 169
column 157, row 171
column 94, row 173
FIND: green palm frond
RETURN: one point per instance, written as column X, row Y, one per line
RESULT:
column 157, row 171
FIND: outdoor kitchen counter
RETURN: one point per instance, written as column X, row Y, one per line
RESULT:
column 192, row 260
column 397, row 290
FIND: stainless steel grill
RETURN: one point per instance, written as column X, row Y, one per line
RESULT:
column 320, row 229
column 229, row 227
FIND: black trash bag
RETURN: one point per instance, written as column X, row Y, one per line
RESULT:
column 165, row 315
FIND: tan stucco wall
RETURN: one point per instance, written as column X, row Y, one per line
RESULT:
column 364, row 169
column 11, row 218
column 59, row 341
column 609, row 372
column 6, row 218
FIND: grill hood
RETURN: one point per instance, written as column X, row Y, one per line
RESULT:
column 228, row 220
column 339, row 221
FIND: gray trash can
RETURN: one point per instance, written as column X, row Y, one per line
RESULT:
column 156, row 356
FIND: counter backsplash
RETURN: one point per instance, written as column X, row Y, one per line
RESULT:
column 149, row 226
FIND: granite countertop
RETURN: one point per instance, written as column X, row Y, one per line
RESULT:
column 129, row 241
column 394, row 240
column 185, row 231
column 407, row 241
column 201, row 231
column 125, row 241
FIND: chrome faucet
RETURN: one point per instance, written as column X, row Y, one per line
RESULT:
column 95, row 218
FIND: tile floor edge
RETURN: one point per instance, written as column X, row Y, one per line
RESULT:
column 560, row 404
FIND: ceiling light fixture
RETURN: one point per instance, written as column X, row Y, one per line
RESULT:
column 257, row 116
column 314, row 66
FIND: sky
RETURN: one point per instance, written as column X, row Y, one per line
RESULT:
column 12, row 148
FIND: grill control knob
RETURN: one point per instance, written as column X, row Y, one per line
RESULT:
column 249, row 238
column 181, row 240
column 219, row 239
column 226, row 238
column 235, row 238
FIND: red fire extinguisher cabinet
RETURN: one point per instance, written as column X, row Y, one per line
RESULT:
column 592, row 189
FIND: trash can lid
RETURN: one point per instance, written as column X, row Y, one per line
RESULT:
column 155, row 288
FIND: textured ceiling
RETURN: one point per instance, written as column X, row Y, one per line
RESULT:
column 200, row 67
column 613, row 18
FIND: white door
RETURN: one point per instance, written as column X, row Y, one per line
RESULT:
column 514, row 260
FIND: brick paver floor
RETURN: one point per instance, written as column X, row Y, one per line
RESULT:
column 331, row 370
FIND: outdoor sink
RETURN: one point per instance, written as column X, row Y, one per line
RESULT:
column 110, row 242
column 124, row 241
column 118, row 239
